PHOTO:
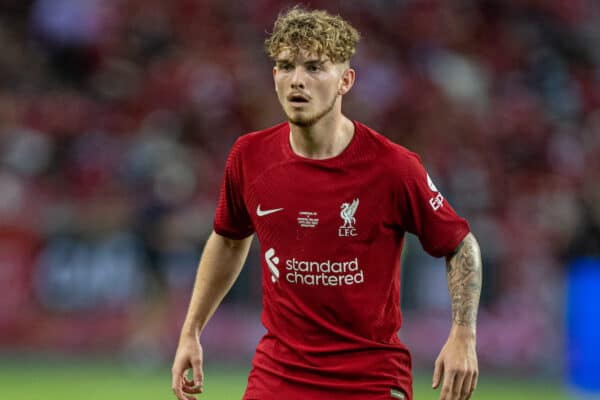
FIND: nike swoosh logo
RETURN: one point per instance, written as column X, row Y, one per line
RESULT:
column 262, row 213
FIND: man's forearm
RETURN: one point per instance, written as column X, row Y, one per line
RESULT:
column 220, row 264
column 463, row 270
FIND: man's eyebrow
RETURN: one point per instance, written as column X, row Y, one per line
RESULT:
column 316, row 61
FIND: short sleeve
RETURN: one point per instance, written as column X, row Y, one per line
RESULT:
column 425, row 212
column 231, row 217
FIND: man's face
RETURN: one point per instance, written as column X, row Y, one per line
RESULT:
column 308, row 86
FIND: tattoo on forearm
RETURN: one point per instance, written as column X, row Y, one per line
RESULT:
column 463, row 270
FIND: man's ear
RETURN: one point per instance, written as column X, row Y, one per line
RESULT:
column 274, row 73
column 346, row 81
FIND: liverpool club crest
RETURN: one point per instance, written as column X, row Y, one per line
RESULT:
column 347, row 214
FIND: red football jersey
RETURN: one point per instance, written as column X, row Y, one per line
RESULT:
column 331, row 233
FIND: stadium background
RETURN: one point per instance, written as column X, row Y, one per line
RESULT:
column 116, row 117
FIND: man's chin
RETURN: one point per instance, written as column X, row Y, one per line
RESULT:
column 301, row 121
column 305, row 120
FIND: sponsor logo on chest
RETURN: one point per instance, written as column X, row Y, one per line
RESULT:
column 315, row 273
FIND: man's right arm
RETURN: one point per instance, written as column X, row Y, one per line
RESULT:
column 220, row 265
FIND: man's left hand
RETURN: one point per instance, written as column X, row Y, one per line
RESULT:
column 457, row 363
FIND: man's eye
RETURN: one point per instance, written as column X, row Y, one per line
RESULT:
column 314, row 68
column 285, row 67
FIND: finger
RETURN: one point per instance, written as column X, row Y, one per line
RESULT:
column 448, row 383
column 188, row 390
column 437, row 374
column 457, row 383
column 176, row 384
column 197, row 373
column 188, row 382
column 196, row 384
column 192, row 390
column 189, row 387
column 474, row 381
column 465, row 390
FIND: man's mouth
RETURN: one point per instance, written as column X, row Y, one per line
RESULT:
column 298, row 98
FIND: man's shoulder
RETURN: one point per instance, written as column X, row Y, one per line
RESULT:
column 387, row 149
column 258, row 139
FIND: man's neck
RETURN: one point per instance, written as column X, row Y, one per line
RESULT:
column 325, row 139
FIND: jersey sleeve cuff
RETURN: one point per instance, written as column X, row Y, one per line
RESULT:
column 231, row 234
column 452, row 243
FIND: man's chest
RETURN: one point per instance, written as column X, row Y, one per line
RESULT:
column 289, row 203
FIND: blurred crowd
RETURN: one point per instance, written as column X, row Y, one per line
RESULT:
column 116, row 117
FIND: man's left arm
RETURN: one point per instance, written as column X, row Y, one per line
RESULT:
column 457, row 361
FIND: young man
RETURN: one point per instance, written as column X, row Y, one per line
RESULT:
column 330, row 201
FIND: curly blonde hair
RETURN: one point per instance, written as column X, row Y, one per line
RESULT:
column 315, row 31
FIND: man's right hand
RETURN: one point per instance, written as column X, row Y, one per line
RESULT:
column 220, row 265
column 188, row 355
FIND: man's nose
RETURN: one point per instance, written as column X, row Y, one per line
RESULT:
column 297, row 81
